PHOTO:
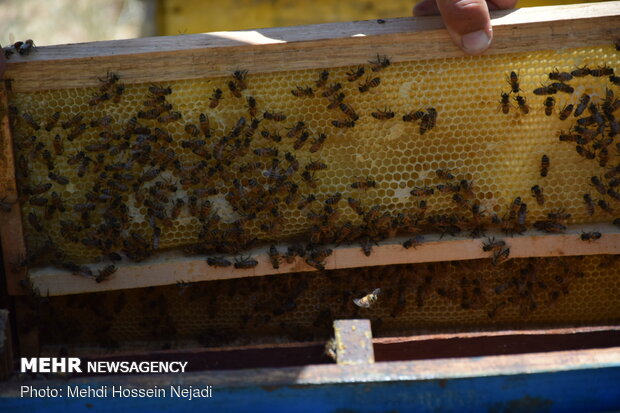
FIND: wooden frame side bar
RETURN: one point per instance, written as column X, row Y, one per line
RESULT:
column 170, row 268
column 161, row 59
column 11, row 229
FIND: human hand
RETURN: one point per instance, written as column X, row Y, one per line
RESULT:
column 467, row 21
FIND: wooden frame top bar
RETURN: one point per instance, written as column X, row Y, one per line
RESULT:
column 161, row 59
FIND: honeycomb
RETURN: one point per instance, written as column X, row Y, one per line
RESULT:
column 253, row 193
column 414, row 299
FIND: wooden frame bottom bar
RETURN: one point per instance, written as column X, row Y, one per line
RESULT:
column 172, row 267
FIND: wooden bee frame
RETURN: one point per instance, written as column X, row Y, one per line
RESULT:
column 330, row 45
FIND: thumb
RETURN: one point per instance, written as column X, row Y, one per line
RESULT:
column 468, row 23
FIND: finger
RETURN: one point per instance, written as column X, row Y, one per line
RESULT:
column 468, row 23
column 426, row 8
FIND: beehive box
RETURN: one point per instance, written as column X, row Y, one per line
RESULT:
column 142, row 182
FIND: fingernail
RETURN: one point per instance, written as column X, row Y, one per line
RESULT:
column 476, row 42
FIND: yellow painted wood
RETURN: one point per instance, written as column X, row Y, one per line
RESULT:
column 200, row 16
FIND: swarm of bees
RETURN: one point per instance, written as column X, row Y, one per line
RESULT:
column 259, row 166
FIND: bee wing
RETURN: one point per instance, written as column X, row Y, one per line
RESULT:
column 362, row 302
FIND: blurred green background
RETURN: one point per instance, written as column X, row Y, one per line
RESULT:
column 70, row 21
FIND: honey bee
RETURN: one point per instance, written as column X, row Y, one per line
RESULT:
column 218, row 262
column 334, row 199
column 513, row 81
column 538, row 194
column 58, row 178
column 335, row 101
column 159, row 91
column 317, row 143
column 192, row 130
column 566, row 111
column 428, row 120
column 598, row 184
column 491, row 244
column 383, row 114
column 266, row 152
column 47, row 157
column 76, row 132
column 39, row 201
column 413, row 116
column 355, row 74
column 580, row 72
column 504, row 104
column 500, row 256
column 523, row 106
column 215, row 98
column 615, row 80
column 34, row 221
column 444, row 174
column 369, row 83
column 275, row 116
column 583, row 104
column 605, row 206
column 367, row 300
column 252, row 106
column 425, row 191
column 239, row 76
column 58, row 146
column 348, row 110
column 309, row 179
column 585, row 152
column 413, row 242
column 295, row 130
column 589, row 204
column 364, row 184
column 323, row 76
column 563, row 87
column 169, row 117
column 613, row 193
column 306, row 201
column 590, row 236
column 118, row 92
column 343, row 123
column 544, row 165
column 274, row 257
column 98, row 99
column 272, row 136
column 315, row 166
column 545, row 90
column 602, row 71
column 234, row 89
column 51, row 121
column 560, row 76
column 302, row 91
column 245, row 263
column 381, row 63
column 25, row 48
column 30, row 121
column 549, row 103
column 105, row 273
column 356, row 205
column 331, row 90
